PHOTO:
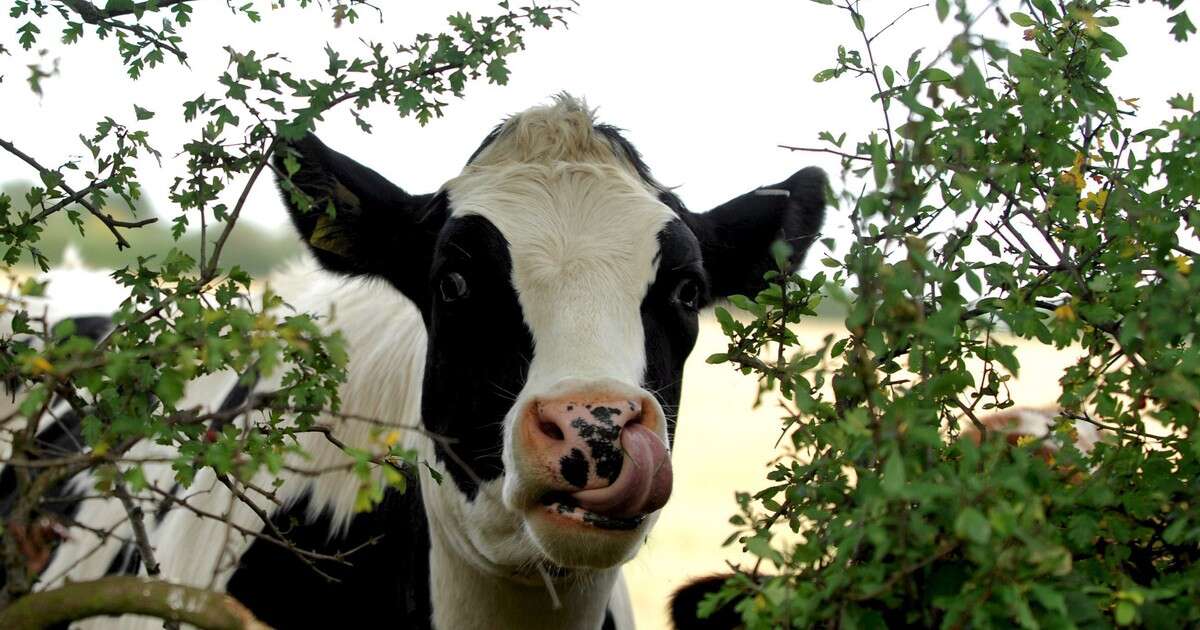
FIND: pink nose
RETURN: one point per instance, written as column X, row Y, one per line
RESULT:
column 581, row 438
column 604, row 451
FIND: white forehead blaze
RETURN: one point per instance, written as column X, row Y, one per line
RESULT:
column 583, row 239
column 582, row 228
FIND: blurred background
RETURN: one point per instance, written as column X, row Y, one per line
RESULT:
column 705, row 91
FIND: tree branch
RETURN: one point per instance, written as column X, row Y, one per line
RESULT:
column 128, row 595
column 93, row 14
column 108, row 220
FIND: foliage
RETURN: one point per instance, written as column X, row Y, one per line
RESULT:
column 256, row 249
column 186, row 315
column 1013, row 200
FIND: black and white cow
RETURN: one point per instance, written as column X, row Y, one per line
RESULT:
column 537, row 309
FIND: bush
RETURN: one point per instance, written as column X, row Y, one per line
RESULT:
column 1004, row 192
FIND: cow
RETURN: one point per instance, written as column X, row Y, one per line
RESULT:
column 535, row 312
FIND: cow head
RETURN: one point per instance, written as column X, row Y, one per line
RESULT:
column 560, row 286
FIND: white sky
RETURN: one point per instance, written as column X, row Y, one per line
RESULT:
column 706, row 92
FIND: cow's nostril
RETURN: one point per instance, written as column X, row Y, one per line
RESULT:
column 551, row 430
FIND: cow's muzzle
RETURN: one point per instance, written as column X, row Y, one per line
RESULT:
column 601, row 456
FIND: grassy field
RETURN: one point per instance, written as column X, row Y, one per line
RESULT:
column 723, row 446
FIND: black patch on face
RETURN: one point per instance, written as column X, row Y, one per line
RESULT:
column 386, row 585
column 575, row 468
column 670, row 327
column 609, row 622
column 479, row 352
column 603, row 439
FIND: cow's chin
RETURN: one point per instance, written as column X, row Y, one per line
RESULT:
column 573, row 538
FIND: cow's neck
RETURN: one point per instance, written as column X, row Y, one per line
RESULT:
column 467, row 597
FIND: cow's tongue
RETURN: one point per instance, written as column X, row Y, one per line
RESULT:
column 645, row 480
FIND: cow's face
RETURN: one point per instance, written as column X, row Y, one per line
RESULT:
column 560, row 286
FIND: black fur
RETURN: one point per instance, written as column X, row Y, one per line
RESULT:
column 670, row 327
column 736, row 236
column 60, row 438
column 479, row 351
column 376, row 229
column 386, row 584
column 92, row 326
column 128, row 561
column 686, row 602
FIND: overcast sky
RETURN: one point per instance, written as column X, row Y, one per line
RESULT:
column 705, row 91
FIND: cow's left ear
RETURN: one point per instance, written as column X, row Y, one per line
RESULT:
column 375, row 228
column 736, row 236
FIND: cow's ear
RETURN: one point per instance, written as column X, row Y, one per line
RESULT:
column 736, row 236
column 354, row 220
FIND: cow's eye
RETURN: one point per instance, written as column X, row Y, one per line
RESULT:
column 687, row 294
column 453, row 287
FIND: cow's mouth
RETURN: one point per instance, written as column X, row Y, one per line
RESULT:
column 564, row 505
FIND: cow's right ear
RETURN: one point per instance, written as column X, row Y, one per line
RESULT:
column 354, row 220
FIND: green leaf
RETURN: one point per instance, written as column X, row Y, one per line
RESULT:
column 1115, row 49
column 914, row 64
column 1181, row 26
column 1125, row 613
column 894, row 477
column 936, row 75
column 1185, row 103
column 1047, row 8
column 169, row 387
column 28, row 37
column 879, row 164
column 497, row 71
column 971, row 525
column 1022, row 19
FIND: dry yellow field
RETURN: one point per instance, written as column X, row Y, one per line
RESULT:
column 723, row 446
